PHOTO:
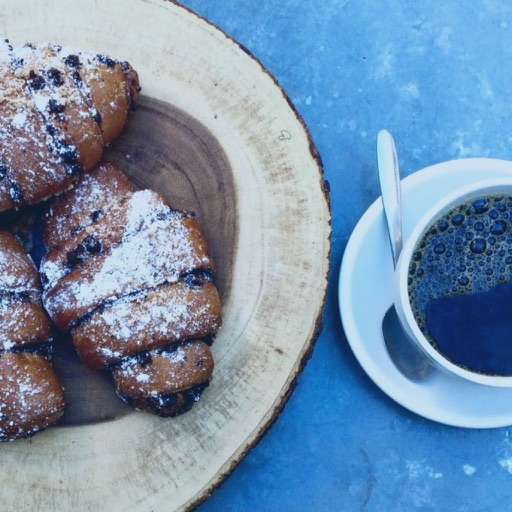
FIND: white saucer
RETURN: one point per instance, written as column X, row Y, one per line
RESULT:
column 365, row 294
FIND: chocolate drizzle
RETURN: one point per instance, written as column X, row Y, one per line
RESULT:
column 133, row 287
column 49, row 106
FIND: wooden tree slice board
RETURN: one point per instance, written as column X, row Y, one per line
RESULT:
column 214, row 134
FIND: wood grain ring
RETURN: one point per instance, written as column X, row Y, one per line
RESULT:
column 214, row 134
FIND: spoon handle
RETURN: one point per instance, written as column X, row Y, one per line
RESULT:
column 389, row 177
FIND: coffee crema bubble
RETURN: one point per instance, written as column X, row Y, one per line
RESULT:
column 460, row 284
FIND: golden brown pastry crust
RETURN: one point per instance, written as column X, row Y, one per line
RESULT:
column 147, row 320
column 31, row 397
column 58, row 108
column 79, row 207
column 132, row 284
column 167, row 382
column 17, row 271
column 139, row 246
column 23, row 320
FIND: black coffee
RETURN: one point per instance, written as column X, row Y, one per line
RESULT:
column 460, row 285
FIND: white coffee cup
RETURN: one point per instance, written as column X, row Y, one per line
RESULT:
column 488, row 187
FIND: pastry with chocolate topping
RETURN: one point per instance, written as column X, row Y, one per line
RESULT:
column 59, row 107
column 31, row 397
column 131, row 280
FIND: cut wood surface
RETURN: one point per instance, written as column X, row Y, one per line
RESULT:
column 214, row 134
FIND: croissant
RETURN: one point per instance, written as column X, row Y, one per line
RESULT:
column 31, row 397
column 59, row 107
column 131, row 280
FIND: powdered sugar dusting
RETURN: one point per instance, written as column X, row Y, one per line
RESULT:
column 154, row 249
column 131, row 282
column 144, row 260
column 17, row 271
column 174, row 370
column 94, row 196
column 50, row 122
column 29, row 400
column 19, row 119
column 20, row 322
column 147, row 320
column 119, row 318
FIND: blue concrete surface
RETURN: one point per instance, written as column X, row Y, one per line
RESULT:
column 438, row 75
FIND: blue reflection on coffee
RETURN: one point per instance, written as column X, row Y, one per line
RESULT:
column 475, row 331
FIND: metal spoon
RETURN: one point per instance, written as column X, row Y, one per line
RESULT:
column 404, row 353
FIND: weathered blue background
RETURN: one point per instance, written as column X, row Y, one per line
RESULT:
column 438, row 76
